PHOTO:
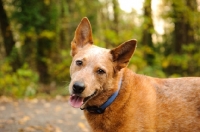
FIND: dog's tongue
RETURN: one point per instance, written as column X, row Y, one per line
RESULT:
column 75, row 101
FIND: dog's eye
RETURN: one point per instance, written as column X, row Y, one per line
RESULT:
column 79, row 62
column 100, row 71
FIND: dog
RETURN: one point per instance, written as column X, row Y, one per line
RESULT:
column 114, row 98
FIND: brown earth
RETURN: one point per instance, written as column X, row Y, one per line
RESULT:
column 40, row 115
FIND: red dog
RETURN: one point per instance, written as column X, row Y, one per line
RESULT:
column 116, row 99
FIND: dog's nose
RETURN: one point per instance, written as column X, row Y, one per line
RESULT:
column 78, row 87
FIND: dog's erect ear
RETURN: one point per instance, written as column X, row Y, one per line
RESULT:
column 122, row 54
column 83, row 36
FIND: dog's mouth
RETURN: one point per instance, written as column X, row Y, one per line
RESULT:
column 77, row 101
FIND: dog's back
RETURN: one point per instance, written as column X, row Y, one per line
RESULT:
column 178, row 104
column 153, row 104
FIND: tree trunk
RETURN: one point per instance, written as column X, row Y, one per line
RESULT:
column 184, row 29
column 147, row 32
column 148, row 24
column 9, row 43
column 45, row 44
column 192, row 5
column 43, row 52
column 28, row 51
column 183, row 14
column 116, row 16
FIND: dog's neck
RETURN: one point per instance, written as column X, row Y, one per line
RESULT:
column 101, row 108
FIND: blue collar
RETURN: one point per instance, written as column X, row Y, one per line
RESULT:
column 101, row 109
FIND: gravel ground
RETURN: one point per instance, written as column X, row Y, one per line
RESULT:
column 39, row 115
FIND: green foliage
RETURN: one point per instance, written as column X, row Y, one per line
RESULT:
column 32, row 14
column 44, row 29
column 60, row 70
column 140, row 65
column 22, row 83
column 185, row 64
column 47, row 34
column 28, row 14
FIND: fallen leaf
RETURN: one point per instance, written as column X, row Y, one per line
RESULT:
column 2, row 108
column 59, row 97
column 58, row 129
column 24, row 120
column 60, row 121
column 34, row 101
column 39, row 111
column 58, row 108
column 28, row 129
column 9, row 121
column 82, row 117
column 4, row 99
column 83, row 127
column 47, row 105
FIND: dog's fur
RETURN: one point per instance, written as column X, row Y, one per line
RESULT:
column 143, row 103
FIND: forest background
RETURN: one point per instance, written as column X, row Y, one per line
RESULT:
column 35, row 40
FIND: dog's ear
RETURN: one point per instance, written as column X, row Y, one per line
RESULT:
column 83, row 36
column 122, row 54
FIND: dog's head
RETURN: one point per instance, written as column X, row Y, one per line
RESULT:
column 93, row 69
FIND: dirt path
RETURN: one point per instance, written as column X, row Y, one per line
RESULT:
column 40, row 116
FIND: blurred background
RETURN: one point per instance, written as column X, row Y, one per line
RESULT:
column 35, row 39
